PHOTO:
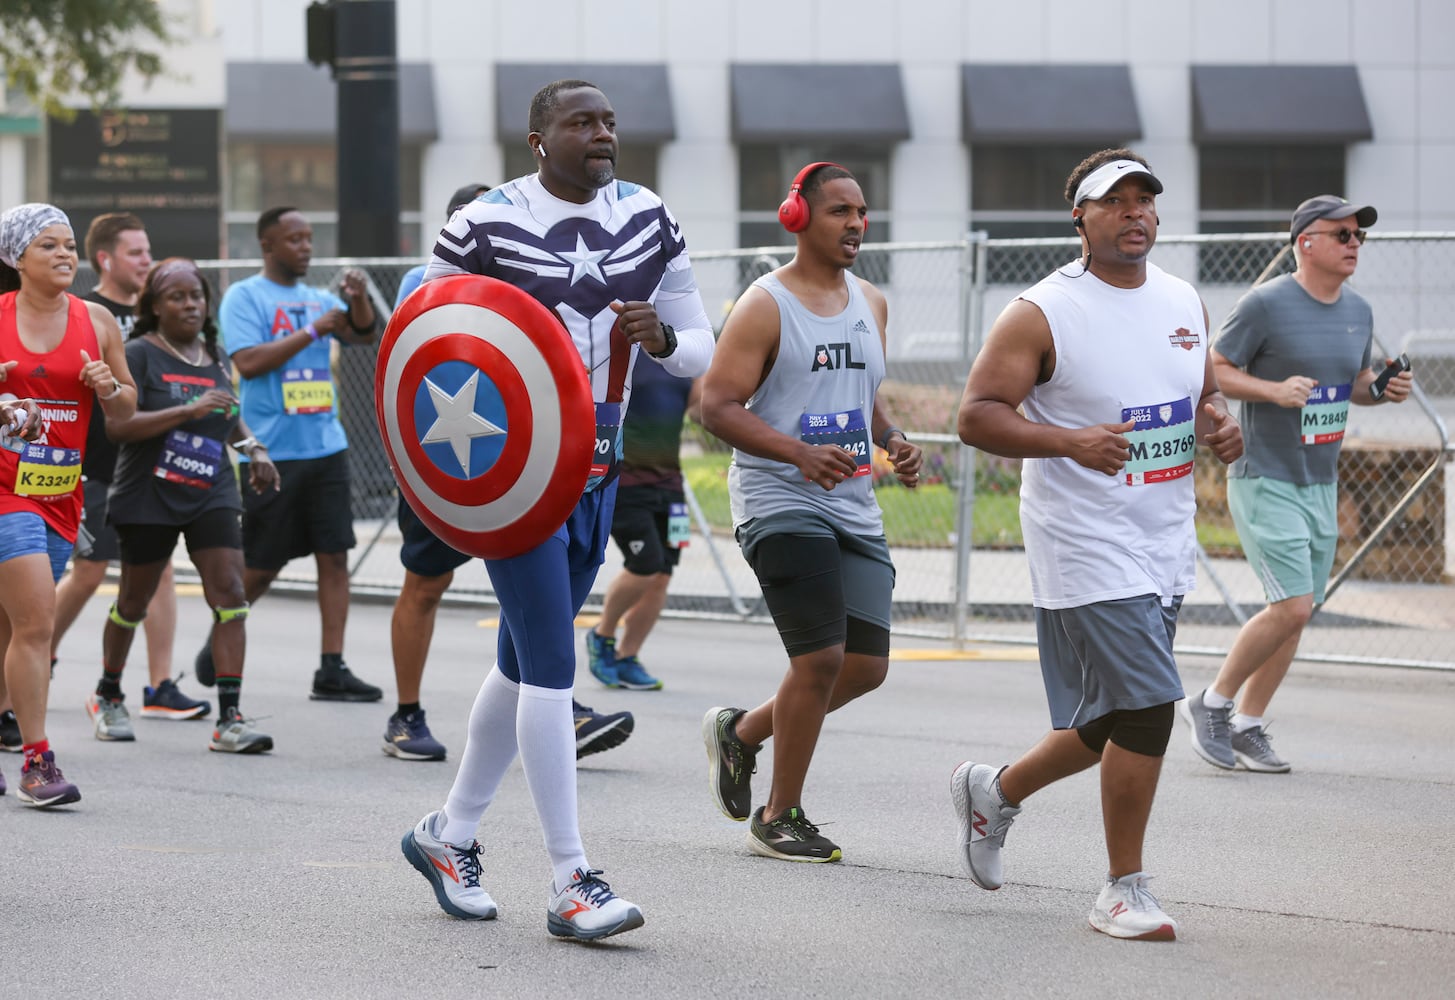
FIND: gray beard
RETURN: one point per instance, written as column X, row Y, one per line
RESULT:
column 602, row 176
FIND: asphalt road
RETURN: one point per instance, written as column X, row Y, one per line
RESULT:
column 184, row 873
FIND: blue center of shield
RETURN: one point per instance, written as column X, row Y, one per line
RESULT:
column 461, row 419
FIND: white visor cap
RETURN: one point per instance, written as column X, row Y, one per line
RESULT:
column 1096, row 184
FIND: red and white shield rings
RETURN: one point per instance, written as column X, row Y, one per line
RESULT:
column 486, row 414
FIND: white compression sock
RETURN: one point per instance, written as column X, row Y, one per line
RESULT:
column 1211, row 699
column 1242, row 723
column 490, row 749
column 546, row 732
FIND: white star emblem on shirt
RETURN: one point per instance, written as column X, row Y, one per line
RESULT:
column 584, row 261
column 456, row 420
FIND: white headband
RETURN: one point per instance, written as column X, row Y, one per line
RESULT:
column 22, row 224
column 1096, row 184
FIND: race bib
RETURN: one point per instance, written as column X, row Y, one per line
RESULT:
column 1163, row 442
column 307, row 390
column 608, row 423
column 679, row 525
column 47, row 472
column 1325, row 415
column 845, row 429
column 189, row 459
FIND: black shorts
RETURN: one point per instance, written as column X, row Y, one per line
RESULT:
column 149, row 543
column 822, row 586
column 309, row 514
column 104, row 546
column 422, row 552
column 639, row 528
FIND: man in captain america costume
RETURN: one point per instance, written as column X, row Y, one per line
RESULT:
column 607, row 257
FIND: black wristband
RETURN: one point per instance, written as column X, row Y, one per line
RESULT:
column 884, row 438
column 670, row 336
column 366, row 331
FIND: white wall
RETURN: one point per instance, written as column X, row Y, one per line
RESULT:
column 1403, row 49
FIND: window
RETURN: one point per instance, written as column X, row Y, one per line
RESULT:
column 635, row 162
column 764, row 174
column 262, row 175
column 1018, row 192
column 1254, row 189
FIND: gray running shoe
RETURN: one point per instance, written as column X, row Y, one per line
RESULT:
column 984, row 822
column 452, row 869
column 235, row 734
column 1254, row 752
column 1211, row 731
column 110, row 718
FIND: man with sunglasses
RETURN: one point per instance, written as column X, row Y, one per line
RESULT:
column 1295, row 351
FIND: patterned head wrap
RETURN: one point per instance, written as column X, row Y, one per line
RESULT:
column 22, row 224
column 170, row 271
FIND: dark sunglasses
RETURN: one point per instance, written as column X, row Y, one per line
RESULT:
column 1342, row 235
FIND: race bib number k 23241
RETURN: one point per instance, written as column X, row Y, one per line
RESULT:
column 47, row 472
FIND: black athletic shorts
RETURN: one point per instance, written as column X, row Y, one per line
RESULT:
column 639, row 528
column 310, row 514
column 149, row 543
column 103, row 546
column 422, row 552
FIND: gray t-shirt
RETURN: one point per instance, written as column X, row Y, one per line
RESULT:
column 1278, row 330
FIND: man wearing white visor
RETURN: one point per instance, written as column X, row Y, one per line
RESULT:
column 1098, row 377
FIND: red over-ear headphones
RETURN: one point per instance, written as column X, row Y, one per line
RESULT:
column 793, row 213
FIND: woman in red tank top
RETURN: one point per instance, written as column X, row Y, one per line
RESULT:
column 59, row 356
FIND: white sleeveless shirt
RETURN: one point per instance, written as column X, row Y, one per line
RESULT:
column 1121, row 353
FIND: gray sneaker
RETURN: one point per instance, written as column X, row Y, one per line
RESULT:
column 110, row 718
column 1211, row 731
column 984, row 822
column 235, row 734
column 1254, row 752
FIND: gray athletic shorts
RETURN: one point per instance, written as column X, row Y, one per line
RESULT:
column 1113, row 655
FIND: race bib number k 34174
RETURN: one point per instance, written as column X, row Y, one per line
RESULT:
column 307, row 390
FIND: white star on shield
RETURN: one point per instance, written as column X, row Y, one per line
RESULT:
column 585, row 261
column 456, row 420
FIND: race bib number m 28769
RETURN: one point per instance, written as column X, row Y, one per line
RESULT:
column 1162, row 442
column 1325, row 415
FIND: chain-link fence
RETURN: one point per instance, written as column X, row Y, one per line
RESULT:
column 956, row 540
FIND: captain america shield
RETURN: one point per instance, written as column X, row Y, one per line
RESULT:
column 486, row 414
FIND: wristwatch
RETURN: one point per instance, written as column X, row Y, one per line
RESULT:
column 670, row 336
column 247, row 445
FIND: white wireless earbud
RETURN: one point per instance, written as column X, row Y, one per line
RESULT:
column 105, row 264
column 542, row 148
column 1308, row 244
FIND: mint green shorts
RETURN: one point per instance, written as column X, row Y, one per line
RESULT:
column 1289, row 534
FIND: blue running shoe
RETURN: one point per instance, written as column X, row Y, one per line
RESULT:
column 631, row 675
column 408, row 738
column 601, row 657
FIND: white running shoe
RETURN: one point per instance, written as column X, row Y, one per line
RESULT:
column 587, row 909
column 1127, row 909
column 453, row 870
column 984, row 820
column 110, row 718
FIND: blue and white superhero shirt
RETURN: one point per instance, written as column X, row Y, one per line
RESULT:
column 576, row 260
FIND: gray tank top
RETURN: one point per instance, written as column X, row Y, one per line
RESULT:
column 820, row 389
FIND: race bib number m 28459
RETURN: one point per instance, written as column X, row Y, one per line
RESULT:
column 1325, row 415
column 1162, row 442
